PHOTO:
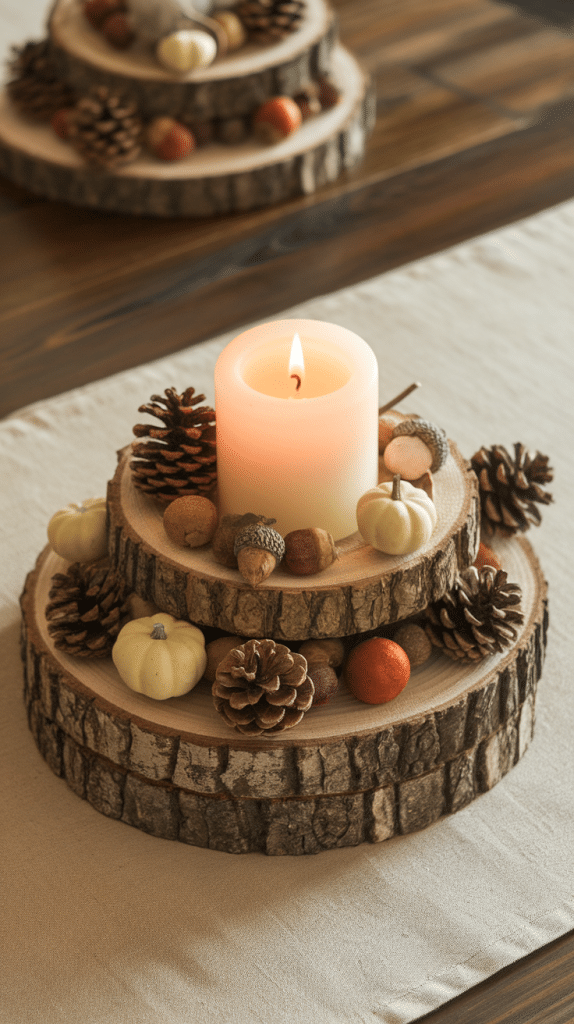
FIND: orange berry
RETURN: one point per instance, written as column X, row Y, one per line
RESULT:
column 169, row 140
column 118, row 30
column 377, row 670
column 97, row 11
column 486, row 556
column 277, row 119
column 61, row 122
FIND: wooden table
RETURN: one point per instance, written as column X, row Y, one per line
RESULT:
column 475, row 129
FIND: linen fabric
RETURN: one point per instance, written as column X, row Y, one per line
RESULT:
column 103, row 923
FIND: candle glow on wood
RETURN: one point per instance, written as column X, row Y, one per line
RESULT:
column 305, row 462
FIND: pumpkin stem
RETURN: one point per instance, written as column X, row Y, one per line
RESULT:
column 158, row 632
column 396, row 492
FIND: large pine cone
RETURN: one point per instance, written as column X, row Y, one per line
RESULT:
column 268, row 21
column 262, row 687
column 511, row 487
column 87, row 608
column 105, row 129
column 36, row 88
column 179, row 459
column 479, row 616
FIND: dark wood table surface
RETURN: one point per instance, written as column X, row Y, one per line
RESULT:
column 475, row 129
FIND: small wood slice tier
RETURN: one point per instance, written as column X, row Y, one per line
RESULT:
column 214, row 179
column 233, row 86
column 348, row 773
column 363, row 589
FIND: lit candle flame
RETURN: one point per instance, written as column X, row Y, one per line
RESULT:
column 296, row 363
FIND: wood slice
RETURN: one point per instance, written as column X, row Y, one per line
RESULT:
column 214, row 179
column 348, row 773
column 233, row 86
column 363, row 589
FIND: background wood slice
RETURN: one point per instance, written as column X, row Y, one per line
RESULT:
column 214, row 179
column 360, row 591
column 349, row 773
column 233, row 86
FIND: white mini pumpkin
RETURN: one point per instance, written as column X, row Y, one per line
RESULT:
column 396, row 518
column 78, row 532
column 186, row 50
column 160, row 656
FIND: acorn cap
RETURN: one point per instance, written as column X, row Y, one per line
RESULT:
column 434, row 437
column 258, row 536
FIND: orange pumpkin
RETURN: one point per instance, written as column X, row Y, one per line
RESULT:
column 377, row 670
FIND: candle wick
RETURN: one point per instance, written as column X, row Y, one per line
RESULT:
column 295, row 376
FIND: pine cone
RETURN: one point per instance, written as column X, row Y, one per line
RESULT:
column 477, row 617
column 262, row 687
column 268, row 21
column 105, row 129
column 88, row 606
column 180, row 457
column 36, row 88
column 510, row 487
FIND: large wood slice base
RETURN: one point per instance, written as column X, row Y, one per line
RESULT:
column 215, row 179
column 348, row 773
column 360, row 591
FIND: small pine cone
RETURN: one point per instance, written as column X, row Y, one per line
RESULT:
column 105, row 129
column 179, row 458
column 262, row 687
column 268, row 21
column 36, row 88
column 510, row 488
column 87, row 608
column 478, row 617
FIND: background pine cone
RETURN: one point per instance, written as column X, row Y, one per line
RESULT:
column 267, row 21
column 179, row 459
column 479, row 616
column 87, row 608
column 510, row 487
column 262, row 687
column 105, row 129
column 36, row 88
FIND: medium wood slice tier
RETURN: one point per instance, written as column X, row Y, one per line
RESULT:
column 363, row 589
column 348, row 773
column 233, row 86
column 214, row 179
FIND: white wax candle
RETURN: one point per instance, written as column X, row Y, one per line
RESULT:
column 301, row 455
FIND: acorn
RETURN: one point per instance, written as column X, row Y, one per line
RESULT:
column 414, row 642
column 96, row 11
column 233, row 29
column 258, row 550
column 410, row 457
column 323, row 657
column 432, row 436
column 229, row 526
column 277, row 119
column 216, row 651
column 309, row 551
column 308, row 101
column 118, row 30
column 190, row 521
column 168, row 139
column 329, row 95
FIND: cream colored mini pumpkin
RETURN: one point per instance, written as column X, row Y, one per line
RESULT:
column 160, row 656
column 396, row 517
column 78, row 532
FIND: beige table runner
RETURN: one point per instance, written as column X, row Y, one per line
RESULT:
column 103, row 923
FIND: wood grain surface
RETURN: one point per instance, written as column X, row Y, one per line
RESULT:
column 87, row 294
column 475, row 122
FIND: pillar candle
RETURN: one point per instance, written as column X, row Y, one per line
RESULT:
column 297, row 428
